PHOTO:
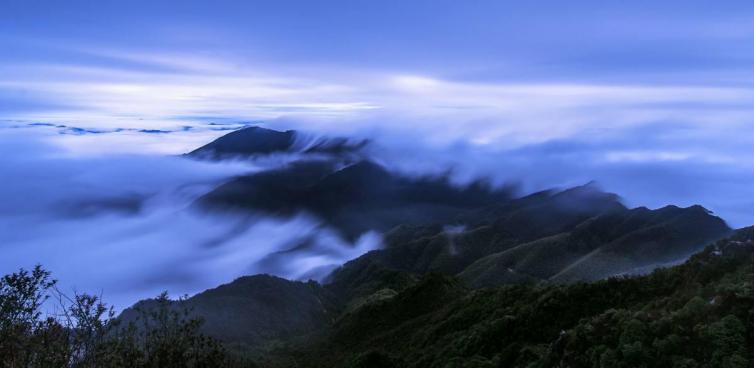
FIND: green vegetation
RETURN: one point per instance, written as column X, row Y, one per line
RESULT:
column 699, row 314
column 81, row 332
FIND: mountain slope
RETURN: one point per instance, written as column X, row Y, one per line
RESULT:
column 247, row 141
column 257, row 310
column 694, row 315
column 605, row 245
column 577, row 234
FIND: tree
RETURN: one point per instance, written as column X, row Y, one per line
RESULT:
column 728, row 339
column 85, row 333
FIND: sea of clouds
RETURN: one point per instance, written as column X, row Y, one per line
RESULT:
column 124, row 225
column 111, row 211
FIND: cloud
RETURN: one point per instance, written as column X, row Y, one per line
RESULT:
column 104, row 97
column 648, row 165
column 93, row 141
column 107, row 95
column 124, row 225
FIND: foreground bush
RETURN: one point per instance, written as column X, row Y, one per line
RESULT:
column 81, row 330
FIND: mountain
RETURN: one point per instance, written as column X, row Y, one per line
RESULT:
column 256, row 310
column 545, row 236
column 606, row 245
column 254, row 141
column 248, row 141
column 354, row 198
column 697, row 314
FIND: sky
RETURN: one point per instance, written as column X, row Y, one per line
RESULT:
column 565, row 65
column 549, row 69
column 653, row 100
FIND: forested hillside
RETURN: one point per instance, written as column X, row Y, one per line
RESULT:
column 698, row 314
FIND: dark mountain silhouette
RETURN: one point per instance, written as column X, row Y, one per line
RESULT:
column 353, row 199
column 254, row 141
column 248, row 141
column 256, row 310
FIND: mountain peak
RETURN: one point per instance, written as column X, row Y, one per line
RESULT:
column 590, row 196
column 247, row 141
column 256, row 140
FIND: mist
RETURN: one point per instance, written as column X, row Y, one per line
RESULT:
column 650, row 163
column 124, row 224
column 124, row 227
column 649, row 167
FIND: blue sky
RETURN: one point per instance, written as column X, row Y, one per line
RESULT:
column 484, row 40
column 608, row 87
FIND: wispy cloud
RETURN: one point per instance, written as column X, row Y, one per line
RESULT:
column 485, row 113
column 125, row 225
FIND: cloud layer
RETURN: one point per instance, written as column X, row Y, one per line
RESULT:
column 124, row 226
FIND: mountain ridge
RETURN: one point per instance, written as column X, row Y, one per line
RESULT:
column 353, row 198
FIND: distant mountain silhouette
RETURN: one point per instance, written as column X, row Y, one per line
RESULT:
column 248, row 141
column 356, row 198
column 254, row 141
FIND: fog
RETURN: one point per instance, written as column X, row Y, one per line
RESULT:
column 652, row 163
column 652, row 166
column 123, row 225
